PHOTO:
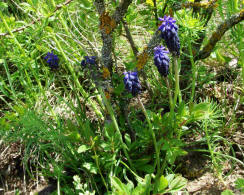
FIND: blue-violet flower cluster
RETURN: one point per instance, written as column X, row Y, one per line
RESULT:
column 161, row 60
column 132, row 83
column 169, row 32
column 52, row 60
column 89, row 60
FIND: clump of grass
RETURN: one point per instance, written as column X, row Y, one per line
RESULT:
column 72, row 119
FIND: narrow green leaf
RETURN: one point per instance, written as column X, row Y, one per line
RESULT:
column 118, row 185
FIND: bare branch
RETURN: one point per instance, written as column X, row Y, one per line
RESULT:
column 130, row 39
column 107, row 25
column 121, row 10
column 217, row 35
column 105, row 28
column 99, row 4
column 58, row 7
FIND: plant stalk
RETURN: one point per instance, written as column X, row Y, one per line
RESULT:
column 169, row 94
column 212, row 153
column 97, row 163
column 153, row 135
column 177, row 81
column 194, row 72
column 111, row 113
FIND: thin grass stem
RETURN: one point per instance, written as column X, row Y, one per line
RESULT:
column 76, row 80
column 177, row 81
column 98, row 166
column 194, row 72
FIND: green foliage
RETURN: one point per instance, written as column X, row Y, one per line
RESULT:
column 227, row 192
column 171, row 183
column 92, row 144
column 240, row 184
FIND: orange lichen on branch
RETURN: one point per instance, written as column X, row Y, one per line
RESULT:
column 107, row 23
column 142, row 60
column 106, row 73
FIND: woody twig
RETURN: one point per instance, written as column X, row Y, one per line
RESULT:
column 107, row 25
column 218, row 34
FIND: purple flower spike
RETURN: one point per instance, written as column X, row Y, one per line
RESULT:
column 132, row 83
column 89, row 60
column 52, row 60
column 169, row 32
column 161, row 60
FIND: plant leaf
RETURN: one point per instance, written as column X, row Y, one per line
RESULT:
column 83, row 148
column 118, row 185
column 227, row 192
column 163, row 183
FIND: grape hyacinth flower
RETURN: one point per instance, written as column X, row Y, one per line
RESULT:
column 169, row 32
column 161, row 60
column 132, row 83
column 89, row 60
column 52, row 60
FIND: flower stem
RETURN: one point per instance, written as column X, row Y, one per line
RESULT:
column 153, row 135
column 98, row 166
column 177, row 81
column 169, row 94
column 111, row 113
